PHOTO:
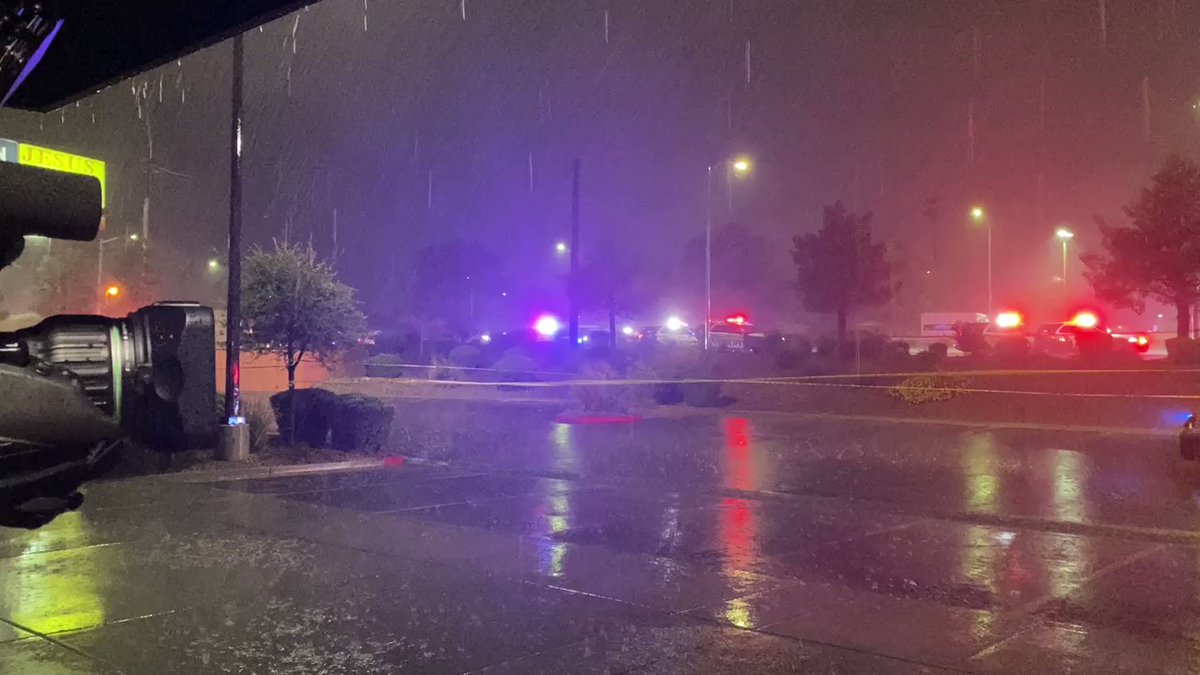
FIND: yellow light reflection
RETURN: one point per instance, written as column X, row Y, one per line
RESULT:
column 981, row 472
column 55, row 593
column 740, row 613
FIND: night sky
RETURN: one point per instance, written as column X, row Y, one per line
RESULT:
column 423, row 127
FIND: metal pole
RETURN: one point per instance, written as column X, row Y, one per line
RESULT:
column 233, row 323
column 990, row 307
column 1064, row 271
column 100, row 276
column 708, row 258
column 573, row 274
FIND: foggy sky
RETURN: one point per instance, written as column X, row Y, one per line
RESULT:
column 865, row 101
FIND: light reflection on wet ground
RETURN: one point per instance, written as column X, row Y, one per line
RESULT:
column 703, row 544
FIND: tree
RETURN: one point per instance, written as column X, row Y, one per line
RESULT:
column 1158, row 254
column 838, row 268
column 294, row 306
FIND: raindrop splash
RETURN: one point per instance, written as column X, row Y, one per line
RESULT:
column 364, row 16
column 462, row 5
column 1103, row 5
column 606, row 26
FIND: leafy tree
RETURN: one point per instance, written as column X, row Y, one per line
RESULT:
column 1158, row 254
column 294, row 306
column 838, row 268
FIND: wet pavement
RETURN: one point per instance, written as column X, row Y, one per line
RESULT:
column 699, row 544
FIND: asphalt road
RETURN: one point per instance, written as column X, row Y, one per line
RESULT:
column 700, row 544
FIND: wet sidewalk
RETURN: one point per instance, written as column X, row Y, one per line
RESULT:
column 768, row 549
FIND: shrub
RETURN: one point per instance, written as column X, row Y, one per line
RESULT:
column 466, row 356
column 361, row 423
column 313, row 413
column 443, row 370
column 827, row 346
column 516, row 366
column 707, row 392
column 870, row 345
column 921, row 389
column 790, row 359
column 603, row 398
column 895, row 349
column 1183, row 350
column 939, row 350
column 384, row 365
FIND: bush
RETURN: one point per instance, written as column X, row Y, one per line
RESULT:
column 384, row 365
column 931, row 358
column 704, row 394
column 870, row 345
column 443, row 370
column 516, row 366
column 603, row 398
column 466, row 356
column 790, row 359
column 939, row 349
column 895, row 349
column 921, row 389
column 1183, row 350
column 827, row 346
column 314, row 411
column 361, row 423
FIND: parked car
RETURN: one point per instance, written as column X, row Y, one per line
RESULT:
column 680, row 336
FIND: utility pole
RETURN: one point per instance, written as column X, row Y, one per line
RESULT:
column 235, row 435
column 573, row 274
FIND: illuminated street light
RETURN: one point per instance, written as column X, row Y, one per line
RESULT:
column 1065, row 235
column 112, row 291
column 737, row 165
column 214, row 264
column 135, row 237
column 560, row 248
column 980, row 216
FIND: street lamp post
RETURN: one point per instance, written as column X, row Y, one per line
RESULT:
column 980, row 216
column 739, row 166
column 1065, row 235
column 100, row 267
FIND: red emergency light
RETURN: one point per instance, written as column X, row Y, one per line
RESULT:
column 737, row 319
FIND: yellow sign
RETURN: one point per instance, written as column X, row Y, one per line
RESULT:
column 56, row 160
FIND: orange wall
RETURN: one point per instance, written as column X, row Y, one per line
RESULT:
column 265, row 373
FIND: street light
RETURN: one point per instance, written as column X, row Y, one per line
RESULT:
column 980, row 217
column 741, row 166
column 214, row 264
column 113, row 291
column 1065, row 236
column 560, row 248
column 100, row 266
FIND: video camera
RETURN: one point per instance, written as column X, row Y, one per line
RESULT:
column 74, row 387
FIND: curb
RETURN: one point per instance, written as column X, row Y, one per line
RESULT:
column 235, row 473
column 597, row 419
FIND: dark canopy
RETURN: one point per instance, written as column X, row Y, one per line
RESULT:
column 105, row 41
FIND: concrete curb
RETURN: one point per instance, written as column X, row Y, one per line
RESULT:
column 277, row 471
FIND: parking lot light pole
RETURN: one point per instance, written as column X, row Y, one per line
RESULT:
column 739, row 166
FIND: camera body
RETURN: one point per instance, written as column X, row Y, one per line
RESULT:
column 74, row 387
